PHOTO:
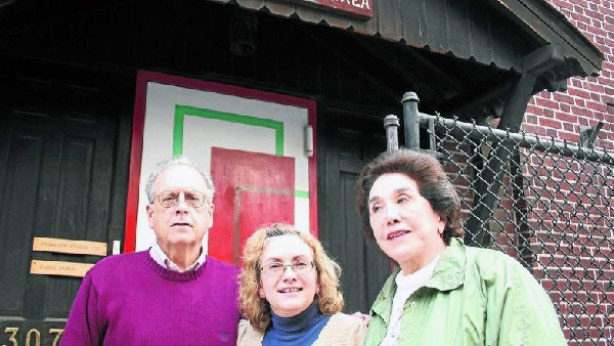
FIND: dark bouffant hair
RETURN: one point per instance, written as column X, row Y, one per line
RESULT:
column 433, row 185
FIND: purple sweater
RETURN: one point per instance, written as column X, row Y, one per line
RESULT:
column 131, row 300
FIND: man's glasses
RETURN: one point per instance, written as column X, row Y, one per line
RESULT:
column 276, row 269
column 193, row 198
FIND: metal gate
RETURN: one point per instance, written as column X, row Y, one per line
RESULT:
column 546, row 203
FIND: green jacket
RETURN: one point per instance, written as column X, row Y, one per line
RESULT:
column 475, row 297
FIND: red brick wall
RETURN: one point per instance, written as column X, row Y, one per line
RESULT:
column 587, row 100
column 583, row 290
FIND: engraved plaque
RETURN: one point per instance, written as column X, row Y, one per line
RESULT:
column 59, row 268
column 77, row 247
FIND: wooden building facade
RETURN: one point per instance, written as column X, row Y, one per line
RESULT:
column 68, row 78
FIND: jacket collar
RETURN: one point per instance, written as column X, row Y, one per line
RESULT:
column 449, row 272
column 448, row 275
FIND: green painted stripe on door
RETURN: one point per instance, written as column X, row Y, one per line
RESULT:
column 181, row 111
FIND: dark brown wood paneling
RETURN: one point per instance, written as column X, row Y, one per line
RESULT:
column 345, row 145
column 436, row 25
column 536, row 19
column 480, row 30
column 309, row 74
column 57, row 164
column 414, row 26
column 354, row 282
column 330, row 76
column 501, row 48
column 393, row 28
column 19, row 192
column 288, row 61
column 459, row 28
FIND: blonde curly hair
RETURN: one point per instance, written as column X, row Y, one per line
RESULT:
column 258, row 310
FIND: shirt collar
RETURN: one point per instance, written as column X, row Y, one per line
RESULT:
column 449, row 273
column 417, row 279
column 162, row 259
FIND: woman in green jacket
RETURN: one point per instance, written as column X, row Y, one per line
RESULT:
column 443, row 293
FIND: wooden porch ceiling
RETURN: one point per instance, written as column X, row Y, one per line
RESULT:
column 462, row 63
column 488, row 34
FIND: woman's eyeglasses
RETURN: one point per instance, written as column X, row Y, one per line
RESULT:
column 276, row 269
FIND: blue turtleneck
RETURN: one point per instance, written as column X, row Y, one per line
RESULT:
column 300, row 330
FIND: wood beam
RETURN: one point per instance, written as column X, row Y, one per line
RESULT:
column 477, row 97
column 488, row 180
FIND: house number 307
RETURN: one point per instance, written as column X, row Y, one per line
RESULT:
column 33, row 336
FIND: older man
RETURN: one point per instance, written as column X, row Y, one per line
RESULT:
column 172, row 294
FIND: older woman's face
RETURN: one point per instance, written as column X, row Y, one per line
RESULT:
column 404, row 224
column 288, row 292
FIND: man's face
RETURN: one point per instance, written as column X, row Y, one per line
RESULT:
column 181, row 225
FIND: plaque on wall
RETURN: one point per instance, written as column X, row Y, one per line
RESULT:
column 59, row 268
column 75, row 247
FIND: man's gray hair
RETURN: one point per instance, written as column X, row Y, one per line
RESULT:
column 181, row 160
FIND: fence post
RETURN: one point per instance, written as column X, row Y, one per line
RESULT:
column 411, row 124
column 391, row 124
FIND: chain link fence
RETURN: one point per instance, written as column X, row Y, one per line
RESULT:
column 546, row 203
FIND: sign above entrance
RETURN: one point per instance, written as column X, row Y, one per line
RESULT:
column 356, row 8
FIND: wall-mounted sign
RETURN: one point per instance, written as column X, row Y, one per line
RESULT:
column 357, row 8
column 76, row 247
column 59, row 268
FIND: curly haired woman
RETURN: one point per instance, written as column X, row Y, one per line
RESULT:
column 290, row 292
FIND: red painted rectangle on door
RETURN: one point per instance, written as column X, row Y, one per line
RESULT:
column 251, row 189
